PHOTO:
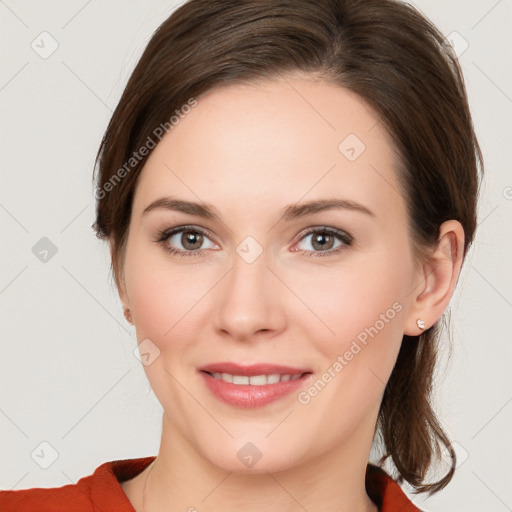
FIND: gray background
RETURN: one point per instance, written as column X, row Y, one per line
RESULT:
column 73, row 395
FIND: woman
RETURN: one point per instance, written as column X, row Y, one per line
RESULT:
column 288, row 189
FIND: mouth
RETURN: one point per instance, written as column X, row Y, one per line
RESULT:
column 253, row 370
column 255, row 380
column 254, row 385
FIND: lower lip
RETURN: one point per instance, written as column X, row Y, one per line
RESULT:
column 251, row 397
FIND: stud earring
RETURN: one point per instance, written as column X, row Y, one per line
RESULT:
column 420, row 324
column 128, row 315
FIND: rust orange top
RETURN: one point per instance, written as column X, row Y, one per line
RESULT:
column 102, row 492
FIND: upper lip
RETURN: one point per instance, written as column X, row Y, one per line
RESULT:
column 251, row 370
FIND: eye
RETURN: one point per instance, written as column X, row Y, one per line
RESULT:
column 324, row 241
column 192, row 241
column 185, row 240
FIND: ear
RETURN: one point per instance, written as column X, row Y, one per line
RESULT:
column 120, row 284
column 437, row 279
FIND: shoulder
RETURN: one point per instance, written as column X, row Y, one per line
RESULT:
column 54, row 500
column 94, row 493
column 386, row 493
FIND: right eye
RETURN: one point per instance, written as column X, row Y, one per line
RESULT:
column 185, row 241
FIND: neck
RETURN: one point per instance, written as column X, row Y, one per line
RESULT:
column 180, row 480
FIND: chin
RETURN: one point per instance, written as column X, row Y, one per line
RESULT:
column 246, row 457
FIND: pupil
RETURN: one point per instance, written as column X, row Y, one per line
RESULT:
column 191, row 238
column 321, row 241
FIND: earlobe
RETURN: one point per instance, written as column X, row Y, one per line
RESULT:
column 437, row 279
column 125, row 302
column 121, row 288
column 128, row 315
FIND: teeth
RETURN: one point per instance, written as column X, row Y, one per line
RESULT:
column 273, row 379
column 240, row 379
column 255, row 380
column 259, row 380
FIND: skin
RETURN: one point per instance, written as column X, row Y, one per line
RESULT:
column 249, row 151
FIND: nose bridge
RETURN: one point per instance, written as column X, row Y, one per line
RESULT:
column 249, row 301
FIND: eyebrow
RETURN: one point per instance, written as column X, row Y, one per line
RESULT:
column 290, row 212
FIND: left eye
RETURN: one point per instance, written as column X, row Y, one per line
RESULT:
column 326, row 241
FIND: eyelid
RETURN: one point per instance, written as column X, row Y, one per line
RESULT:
column 167, row 233
column 343, row 236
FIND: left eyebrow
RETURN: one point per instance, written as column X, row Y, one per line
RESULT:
column 294, row 211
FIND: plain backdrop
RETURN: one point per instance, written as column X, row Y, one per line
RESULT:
column 72, row 393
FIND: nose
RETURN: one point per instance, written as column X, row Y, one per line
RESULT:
column 250, row 302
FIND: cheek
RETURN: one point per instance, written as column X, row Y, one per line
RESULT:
column 365, row 311
column 351, row 299
column 160, row 301
column 362, row 308
column 164, row 297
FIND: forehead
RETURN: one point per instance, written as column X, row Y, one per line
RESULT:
column 282, row 140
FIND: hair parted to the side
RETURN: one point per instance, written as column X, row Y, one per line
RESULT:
column 398, row 63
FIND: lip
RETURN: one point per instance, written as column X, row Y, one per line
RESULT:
column 253, row 369
column 250, row 396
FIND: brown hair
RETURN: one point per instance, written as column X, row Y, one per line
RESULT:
column 396, row 61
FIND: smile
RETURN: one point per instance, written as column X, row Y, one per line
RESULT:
column 255, row 380
column 253, row 386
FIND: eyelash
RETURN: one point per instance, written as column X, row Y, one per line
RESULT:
column 342, row 236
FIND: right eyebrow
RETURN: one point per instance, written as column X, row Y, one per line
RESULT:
column 200, row 209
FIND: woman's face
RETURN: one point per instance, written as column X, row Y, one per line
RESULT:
column 264, row 280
